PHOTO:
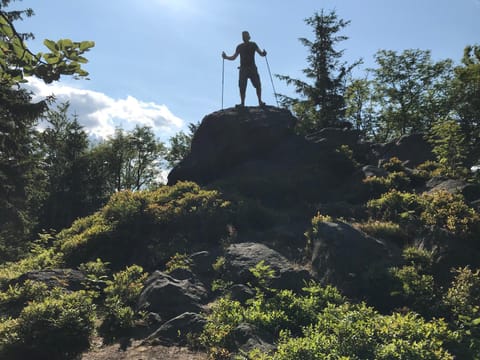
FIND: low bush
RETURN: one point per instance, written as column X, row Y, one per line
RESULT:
column 443, row 210
column 56, row 327
column 121, row 295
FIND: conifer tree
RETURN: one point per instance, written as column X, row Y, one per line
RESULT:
column 322, row 102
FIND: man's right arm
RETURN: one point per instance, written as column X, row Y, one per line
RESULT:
column 234, row 56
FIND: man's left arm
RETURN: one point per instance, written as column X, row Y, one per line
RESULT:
column 260, row 52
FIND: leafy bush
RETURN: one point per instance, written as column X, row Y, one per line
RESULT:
column 17, row 296
column 178, row 261
column 463, row 301
column 393, row 164
column 57, row 327
column 384, row 230
column 396, row 206
column 121, row 295
column 270, row 310
column 415, row 284
column 157, row 224
column 447, row 211
column 359, row 332
column 48, row 259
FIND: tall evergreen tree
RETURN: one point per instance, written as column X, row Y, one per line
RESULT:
column 65, row 144
column 322, row 102
column 21, row 177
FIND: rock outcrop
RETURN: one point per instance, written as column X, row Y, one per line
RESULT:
column 240, row 258
column 170, row 297
column 230, row 137
column 349, row 259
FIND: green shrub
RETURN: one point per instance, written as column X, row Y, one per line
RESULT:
column 270, row 310
column 157, row 224
column 463, row 296
column 57, row 327
column 463, row 301
column 446, row 211
column 178, row 261
column 428, row 170
column 359, row 332
column 217, row 335
column 393, row 164
column 384, row 230
column 415, row 283
column 47, row 259
column 17, row 296
column 396, row 206
column 121, row 295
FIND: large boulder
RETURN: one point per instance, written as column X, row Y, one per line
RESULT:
column 240, row 258
column 255, row 152
column 177, row 330
column 170, row 297
column 229, row 137
column 70, row 279
column 349, row 259
column 412, row 149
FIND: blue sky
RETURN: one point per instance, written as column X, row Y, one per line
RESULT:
column 158, row 62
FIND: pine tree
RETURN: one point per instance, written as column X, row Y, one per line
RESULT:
column 322, row 103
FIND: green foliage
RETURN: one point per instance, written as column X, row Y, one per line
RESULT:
column 323, row 102
column 429, row 169
column 121, row 295
column 178, row 261
column 463, row 301
column 415, row 283
column 17, row 296
column 58, row 326
column 158, row 224
column 47, row 259
column 278, row 310
column 384, row 230
column 465, row 98
column 179, row 145
column 446, row 211
column 263, row 273
column 409, row 89
column 397, row 206
column 359, row 332
column 65, row 57
column 398, row 180
column 448, row 142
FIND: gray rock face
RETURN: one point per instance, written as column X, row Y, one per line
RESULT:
column 240, row 258
column 413, row 149
column 229, row 137
column 176, row 330
column 348, row 259
column 69, row 279
column 171, row 297
column 471, row 192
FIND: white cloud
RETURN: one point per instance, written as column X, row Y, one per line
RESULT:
column 100, row 114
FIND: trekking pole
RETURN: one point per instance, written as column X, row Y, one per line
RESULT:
column 271, row 79
column 223, row 78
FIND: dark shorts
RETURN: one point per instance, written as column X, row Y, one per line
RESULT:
column 248, row 73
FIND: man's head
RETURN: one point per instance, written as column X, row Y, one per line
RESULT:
column 245, row 36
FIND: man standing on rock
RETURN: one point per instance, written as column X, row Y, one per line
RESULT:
column 248, row 69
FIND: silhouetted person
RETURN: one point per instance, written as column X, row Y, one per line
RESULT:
column 248, row 69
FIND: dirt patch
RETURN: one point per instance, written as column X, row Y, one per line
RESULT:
column 137, row 351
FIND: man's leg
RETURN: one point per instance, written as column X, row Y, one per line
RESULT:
column 258, row 86
column 242, row 84
column 259, row 96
